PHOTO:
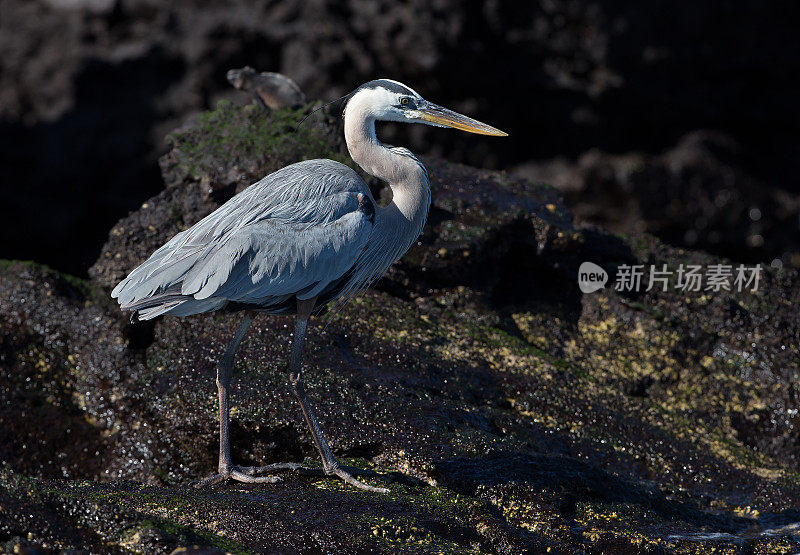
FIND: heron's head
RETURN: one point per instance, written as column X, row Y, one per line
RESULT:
column 387, row 100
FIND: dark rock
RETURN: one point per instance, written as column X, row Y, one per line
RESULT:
column 695, row 195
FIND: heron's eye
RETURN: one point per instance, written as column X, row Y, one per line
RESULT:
column 405, row 101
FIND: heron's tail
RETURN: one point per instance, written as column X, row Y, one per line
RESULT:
column 173, row 304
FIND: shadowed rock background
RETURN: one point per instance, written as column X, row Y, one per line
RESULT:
column 506, row 412
column 675, row 118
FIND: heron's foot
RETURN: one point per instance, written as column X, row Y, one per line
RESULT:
column 346, row 473
column 281, row 467
column 238, row 474
column 255, row 474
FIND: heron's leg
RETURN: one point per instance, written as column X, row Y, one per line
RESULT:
column 329, row 463
column 224, row 374
column 226, row 469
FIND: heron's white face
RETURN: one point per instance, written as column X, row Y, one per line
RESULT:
column 387, row 105
column 387, row 100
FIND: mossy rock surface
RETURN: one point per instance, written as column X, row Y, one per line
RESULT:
column 505, row 411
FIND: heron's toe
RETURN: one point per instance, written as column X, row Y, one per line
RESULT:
column 348, row 477
column 280, row 467
column 248, row 479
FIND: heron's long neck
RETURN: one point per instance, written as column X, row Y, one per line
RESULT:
column 404, row 218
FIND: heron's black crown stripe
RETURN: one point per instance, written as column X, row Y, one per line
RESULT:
column 388, row 85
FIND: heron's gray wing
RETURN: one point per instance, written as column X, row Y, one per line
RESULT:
column 273, row 258
column 290, row 213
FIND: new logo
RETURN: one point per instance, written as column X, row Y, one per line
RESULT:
column 591, row 277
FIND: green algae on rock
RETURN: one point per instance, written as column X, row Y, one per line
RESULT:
column 505, row 411
column 230, row 145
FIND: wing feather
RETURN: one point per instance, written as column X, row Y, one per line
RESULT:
column 266, row 259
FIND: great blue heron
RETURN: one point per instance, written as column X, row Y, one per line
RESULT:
column 293, row 242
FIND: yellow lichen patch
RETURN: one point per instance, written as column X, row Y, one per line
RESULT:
column 615, row 352
column 455, row 338
column 401, row 534
column 534, row 329
column 539, row 518
column 618, row 350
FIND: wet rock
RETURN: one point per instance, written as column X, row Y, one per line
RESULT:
column 505, row 411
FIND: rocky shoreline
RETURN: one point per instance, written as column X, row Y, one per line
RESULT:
column 505, row 411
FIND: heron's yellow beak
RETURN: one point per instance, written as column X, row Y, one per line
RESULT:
column 437, row 115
